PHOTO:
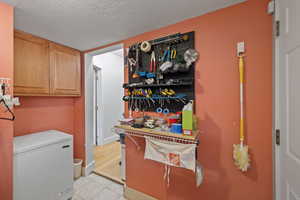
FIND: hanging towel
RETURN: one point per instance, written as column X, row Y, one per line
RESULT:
column 171, row 153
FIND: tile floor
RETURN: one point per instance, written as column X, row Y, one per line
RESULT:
column 94, row 187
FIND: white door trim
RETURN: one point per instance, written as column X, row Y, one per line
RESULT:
column 90, row 101
column 276, row 174
column 97, row 112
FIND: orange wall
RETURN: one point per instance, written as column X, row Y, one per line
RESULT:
column 6, row 127
column 44, row 113
column 217, row 103
column 79, row 118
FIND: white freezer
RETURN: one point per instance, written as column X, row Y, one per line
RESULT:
column 43, row 166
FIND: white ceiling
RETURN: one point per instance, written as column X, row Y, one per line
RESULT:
column 85, row 24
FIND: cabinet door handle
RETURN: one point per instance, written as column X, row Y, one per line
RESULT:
column 65, row 146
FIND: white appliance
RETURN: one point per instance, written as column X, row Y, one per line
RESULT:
column 43, row 166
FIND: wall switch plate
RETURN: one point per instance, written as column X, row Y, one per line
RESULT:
column 271, row 7
column 4, row 93
column 240, row 48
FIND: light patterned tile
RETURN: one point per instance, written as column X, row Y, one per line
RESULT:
column 89, row 190
column 101, row 180
column 118, row 188
column 80, row 182
column 94, row 187
column 77, row 197
column 107, row 194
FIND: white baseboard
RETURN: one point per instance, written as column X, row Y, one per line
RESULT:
column 88, row 169
column 132, row 194
column 111, row 139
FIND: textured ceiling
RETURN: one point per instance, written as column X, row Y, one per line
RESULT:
column 85, row 24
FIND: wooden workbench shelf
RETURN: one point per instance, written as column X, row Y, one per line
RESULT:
column 142, row 132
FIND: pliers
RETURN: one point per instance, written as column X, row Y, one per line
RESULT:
column 152, row 62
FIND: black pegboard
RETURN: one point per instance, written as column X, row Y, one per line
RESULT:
column 144, row 61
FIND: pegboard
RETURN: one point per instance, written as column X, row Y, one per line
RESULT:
column 186, row 85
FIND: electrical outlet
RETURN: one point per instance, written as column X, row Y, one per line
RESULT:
column 4, row 93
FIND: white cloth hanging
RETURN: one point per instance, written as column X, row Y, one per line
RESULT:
column 171, row 153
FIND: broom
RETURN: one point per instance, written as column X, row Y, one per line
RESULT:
column 240, row 151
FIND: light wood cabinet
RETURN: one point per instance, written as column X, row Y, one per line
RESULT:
column 43, row 68
column 64, row 71
column 31, row 65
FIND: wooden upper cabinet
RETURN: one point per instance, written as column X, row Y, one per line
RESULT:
column 31, row 65
column 43, row 68
column 65, row 74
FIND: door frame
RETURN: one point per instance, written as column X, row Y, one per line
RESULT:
column 98, row 115
column 89, row 87
column 276, row 100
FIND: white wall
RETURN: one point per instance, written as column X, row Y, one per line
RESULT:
column 111, row 104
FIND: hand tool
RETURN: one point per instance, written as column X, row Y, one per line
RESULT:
column 152, row 62
column 173, row 53
column 145, row 96
column 149, row 81
column 164, row 111
column 150, row 75
column 142, row 74
column 185, row 37
column 149, row 95
column 135, row 74
column 167, row 55
column 132, row 63
column 165, row 66
column 152, row 66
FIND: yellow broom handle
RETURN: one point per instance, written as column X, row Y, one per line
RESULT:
column 241, row 70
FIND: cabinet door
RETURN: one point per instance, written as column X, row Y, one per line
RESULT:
column 31, row 65
column 64, row 71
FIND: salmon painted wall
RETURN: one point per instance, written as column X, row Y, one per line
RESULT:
column 217, row 102
column 45, row 113
column 6, row 127
column 79, row 118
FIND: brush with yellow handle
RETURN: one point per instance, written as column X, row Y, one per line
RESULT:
column 240, row 151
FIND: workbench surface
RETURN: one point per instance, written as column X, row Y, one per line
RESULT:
column 158, row 133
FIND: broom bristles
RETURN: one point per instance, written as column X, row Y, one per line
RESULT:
column 241, row 157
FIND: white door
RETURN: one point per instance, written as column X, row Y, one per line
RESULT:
column 288, row 74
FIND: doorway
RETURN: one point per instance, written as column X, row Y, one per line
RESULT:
column 108, row 110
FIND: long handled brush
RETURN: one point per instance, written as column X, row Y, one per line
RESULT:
column 240, row 151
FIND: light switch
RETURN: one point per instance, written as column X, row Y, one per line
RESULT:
column 240, row 48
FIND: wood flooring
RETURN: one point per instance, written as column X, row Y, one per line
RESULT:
column 107, row 158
